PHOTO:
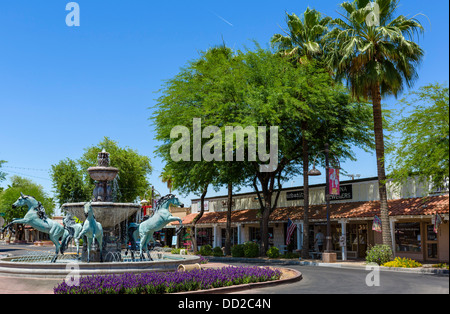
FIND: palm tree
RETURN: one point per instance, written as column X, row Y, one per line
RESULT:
column 303, row 42
column 304, row 37
column 168, row 179
column 373, row 50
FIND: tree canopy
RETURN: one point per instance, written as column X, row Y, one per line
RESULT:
column 71, row 179
column 22, row 185
column 2, row 174
column 251, row 90
column 423, row 147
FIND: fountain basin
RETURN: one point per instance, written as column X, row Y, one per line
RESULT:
column 103, row 173
column 108, row 213
column 61, row 270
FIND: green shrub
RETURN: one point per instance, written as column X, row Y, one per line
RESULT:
column 175, row 251
column 290, row 255
column 237, row 250
column 251, row 249
column 217, row 251
column 379, row 254
column 273, row 252
column 206, row 250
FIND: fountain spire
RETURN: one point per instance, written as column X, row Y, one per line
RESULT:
column 103, row 174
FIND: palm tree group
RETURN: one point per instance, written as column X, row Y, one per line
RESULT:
column 371, row 49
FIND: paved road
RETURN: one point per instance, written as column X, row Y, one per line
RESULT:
column 330, row 280
column 316, row 280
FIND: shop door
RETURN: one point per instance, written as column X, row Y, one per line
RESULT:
column 362, row 240
column 431, row 245
column 356, row 240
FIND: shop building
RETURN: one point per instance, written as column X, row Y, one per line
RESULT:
column 412, row 210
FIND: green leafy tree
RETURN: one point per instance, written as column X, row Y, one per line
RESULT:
column 200, row 91
column 72, row 183
column 68, row 182
column 372, row 49
column 423, row 149
column 10, row 195
column 2, row 174
column 302, row 43
column 256, row 89
column 133, row 168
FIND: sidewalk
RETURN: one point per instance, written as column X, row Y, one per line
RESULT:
column 349, row 264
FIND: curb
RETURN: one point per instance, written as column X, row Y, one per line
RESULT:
column 223, row 290
column 422, row 271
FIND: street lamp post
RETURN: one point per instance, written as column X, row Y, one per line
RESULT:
column 327, row 199
column 330, row 256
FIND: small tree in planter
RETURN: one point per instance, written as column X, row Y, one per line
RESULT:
column 379, row 254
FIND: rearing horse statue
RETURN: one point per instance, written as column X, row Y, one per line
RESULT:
column 159, row 220
column 92, row 229
column 36, row 218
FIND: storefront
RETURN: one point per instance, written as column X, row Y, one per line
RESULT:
column 353, row 229
column 420, row 240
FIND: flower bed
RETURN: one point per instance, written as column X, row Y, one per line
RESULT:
column 403, row 262
column 158, row 283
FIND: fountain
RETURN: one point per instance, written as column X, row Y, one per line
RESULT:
column 113, row 220
column 110, row 214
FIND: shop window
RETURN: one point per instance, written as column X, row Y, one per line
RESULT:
column 204, row 236
column 407, row 237
column 255, row 235
column 432, row 243
column 234, row 236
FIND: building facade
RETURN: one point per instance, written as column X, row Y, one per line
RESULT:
column 413, row 212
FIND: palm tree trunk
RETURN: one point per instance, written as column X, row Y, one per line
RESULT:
column 305, row 250
column 379, row 148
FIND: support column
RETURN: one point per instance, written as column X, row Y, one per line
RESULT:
column 215, row 240
column 300, row 235
column 239, row 233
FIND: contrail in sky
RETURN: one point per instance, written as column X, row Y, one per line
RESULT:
column 222, row 19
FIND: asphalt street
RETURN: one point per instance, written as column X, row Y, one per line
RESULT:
column 334, row 280
column 316, row 280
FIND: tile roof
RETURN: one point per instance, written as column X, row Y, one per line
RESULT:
column 400, row 207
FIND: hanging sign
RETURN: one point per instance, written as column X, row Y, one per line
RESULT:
column 334, row 182
column 376, row 226
column 174, row 240
column 436, row 220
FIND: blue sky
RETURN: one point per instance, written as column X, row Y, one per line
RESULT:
column 63, row 88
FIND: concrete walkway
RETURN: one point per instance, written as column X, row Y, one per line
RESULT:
column 349, row 264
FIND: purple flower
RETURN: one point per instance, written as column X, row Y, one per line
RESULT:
column 157, row 283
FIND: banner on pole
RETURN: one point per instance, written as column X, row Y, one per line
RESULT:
column 376, row 226
column 334, row 182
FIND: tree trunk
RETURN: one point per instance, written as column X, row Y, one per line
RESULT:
column 265, row 225
column 379, row 148
column 305, row 249
column 228, row 228
column 197, row 218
